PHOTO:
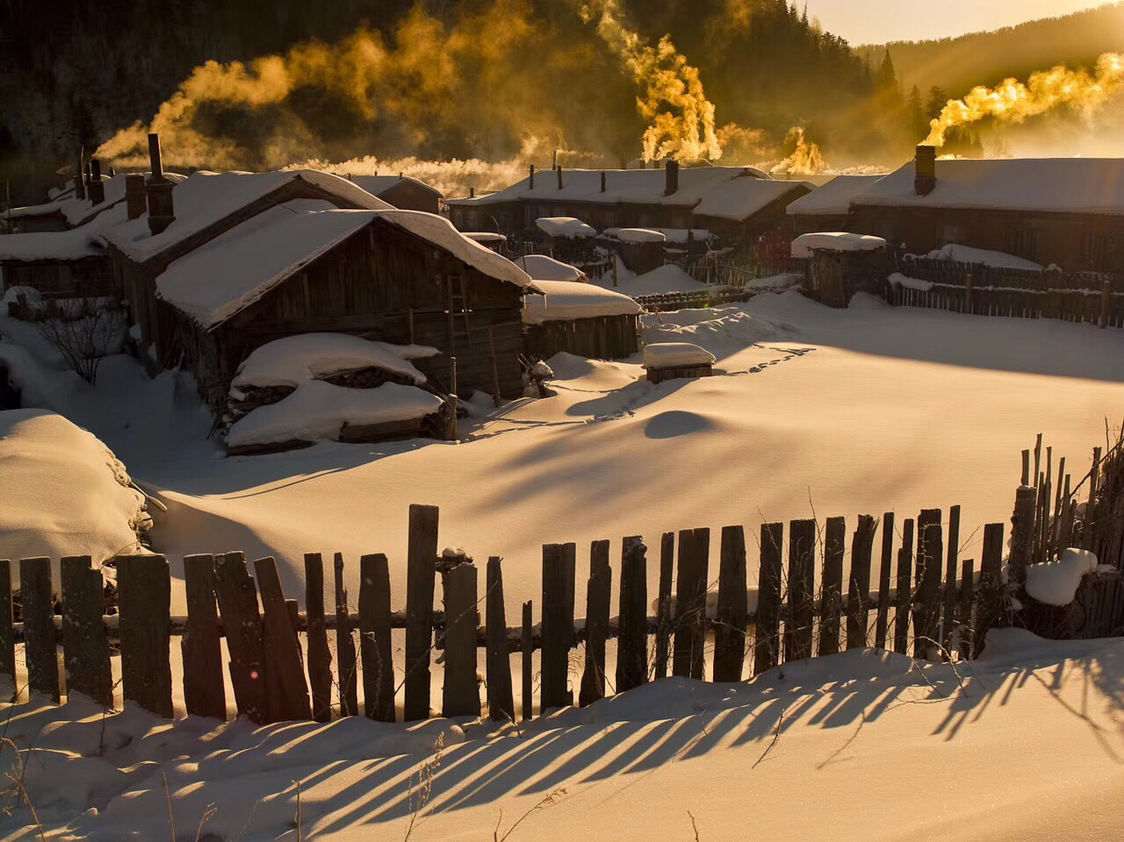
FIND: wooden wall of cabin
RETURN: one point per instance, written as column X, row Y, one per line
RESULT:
column 408, row 195
column 88, row 277
column 385, row 284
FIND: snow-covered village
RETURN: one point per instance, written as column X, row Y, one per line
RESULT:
column 525, row 420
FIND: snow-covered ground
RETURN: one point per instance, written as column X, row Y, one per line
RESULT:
column 1025, row 743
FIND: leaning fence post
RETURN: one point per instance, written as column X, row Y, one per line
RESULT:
column 1022, row 535
column 964, row 611
column 85, row 648
column 421, row 573
column 284, row 669
column 501, row 700
column 144, row 593
column 39, row 639
column 766, row 639
column 729, row 629
column 527, row 647
column 558, row 565
column 904, row 595
column 7, row 632
column 951, row 569
column 374, row 638
column 319, row 654
column 347, row 664
column 663, row 604
column 926, row 629
column 596, row 623
column 632, row 652
column 238, row 605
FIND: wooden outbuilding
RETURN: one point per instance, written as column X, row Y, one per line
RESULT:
column 838, row 264
column 581, row 319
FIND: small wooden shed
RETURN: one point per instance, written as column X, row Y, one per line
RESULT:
column 838, row 264
column 581, row 319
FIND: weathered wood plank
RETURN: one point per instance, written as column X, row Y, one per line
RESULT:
column 904, row 600
column 501, row 699
column 690, row 603
column 965, row 620
column 990, row 607
column 283, row 666
column 319, row 653
column 460, row 693
column 374, row 638
column 1022, row 535
column 952, row 565
column 421, row 573
column 347, row 663
column 632, row 645
column 201, row 647
column 858, row 589
column 144, row 594
column 40, row 644
column 831, row 601
column 882, row 620
column 527, row 646
column 663, row 605
column 238, row 606
column 927, row 606
column 798, row 631
column 7, row 633
column 597, row 606
column 729, row 632
column 558, row 568
column 767, row 633
column 84, row 645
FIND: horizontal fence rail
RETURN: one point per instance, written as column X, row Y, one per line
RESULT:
column 907, row 590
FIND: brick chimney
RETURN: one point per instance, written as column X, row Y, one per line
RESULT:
column 96, row 190
column 531, row 181
column 672, row 178
column 925, row 177
column 80, row 182
column 161, row 212
column 135, row 199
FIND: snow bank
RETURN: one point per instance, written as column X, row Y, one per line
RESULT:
column 640, row 235
column 805, row 244
column 1056, row 582
column 666, row 278
column 983, row 257
column 898, row 279
column 65, row 493
column 309, row 356
column 543, row 268
column 672, row 354
column 11, row 296
column 563, row 301
column 317, row 411
column 565, row 227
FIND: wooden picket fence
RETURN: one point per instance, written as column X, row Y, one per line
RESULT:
column 908, row 591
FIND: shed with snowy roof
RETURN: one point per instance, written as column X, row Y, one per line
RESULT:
column 837, row 264
column 1064, row 211
column 581, row 319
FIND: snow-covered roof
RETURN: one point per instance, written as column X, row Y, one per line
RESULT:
column 983, row 257
column 317, row 411
column 566, row 227
column 1063, row 185
column 222, row 277
column 485, row 236
column 833, row 198
column 672, row 354
column 564, row 301
column 739, row 199
column 75, row 210
column 543, row 268
column 640, row 235
column 621, row 186
column 50, row 245
column 204, row 198
column 293, row 360
column 805, row 244
column 376, row 185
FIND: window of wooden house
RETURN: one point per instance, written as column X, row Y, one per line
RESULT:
column 1024, row 243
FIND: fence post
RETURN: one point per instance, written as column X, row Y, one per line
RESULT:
column 1022, row 535
column 374, row 638
column 284, row 669
column 831, row 599
column 1106, row 298
column 964, row 611
column 421, row 571
column 527, row 645
column 663, row 604
column 144, row 593
column 729, row 630
column 597, row 622
column 801, row 590
column 904, row 595
column 968, row 293
column 238, row 605
column 319, row 655
column 632, row 652
column 85, row 648
column 201, row 644
column 930, row 553
column 989, row 608
column 858, row 591
column 501, row 700
column 690, row 603
column 39, row 640
column 460, row 695
column 882, row 619
column 766, row 639
column 7, row 632
column 347, row 665
column 951, row 569
column 558, row 564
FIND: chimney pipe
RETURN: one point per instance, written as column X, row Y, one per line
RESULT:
column 135, row 201
column 925, row 163
column 79, row 182
column 554, row 161
column 96, row 190
column 531, row 181
column 559, row 171
column 672, row 178
column 472, row 192
column 161, row 212
column 602, row 181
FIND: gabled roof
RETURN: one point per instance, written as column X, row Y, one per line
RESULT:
column 1062, row 185
column 621, row 186
column 376, row 185
column 224, row 276
column 205, row 199
column 833, row 198
column 740, row 198
column 74, row 244
column 78, row 211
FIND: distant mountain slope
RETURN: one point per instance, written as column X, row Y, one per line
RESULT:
column 958, row 64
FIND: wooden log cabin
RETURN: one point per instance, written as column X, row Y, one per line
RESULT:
column 246, row 259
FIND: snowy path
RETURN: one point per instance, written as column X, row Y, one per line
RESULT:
column 1026, row 744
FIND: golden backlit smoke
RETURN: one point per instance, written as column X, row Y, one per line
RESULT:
column 804, row 158
column 1012, row 101
column 670, row 97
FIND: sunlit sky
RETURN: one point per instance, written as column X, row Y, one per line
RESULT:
column 877, row 21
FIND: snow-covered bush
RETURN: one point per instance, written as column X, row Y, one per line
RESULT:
column 84, row 331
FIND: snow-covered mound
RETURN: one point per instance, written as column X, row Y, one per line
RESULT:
column 564, row 301
column 543, row 268
column 667, row 278
column 805, row 244
column 1056, row 582
column 983, row 257
column 640, row 235
column 310, row 356
column 318, row 411
column 671, row 354
column 64, row 492
column 565, row 227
